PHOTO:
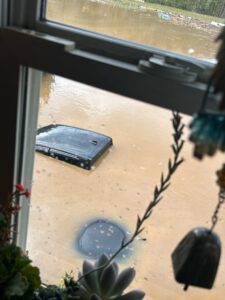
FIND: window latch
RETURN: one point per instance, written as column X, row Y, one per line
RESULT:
column 171, row 68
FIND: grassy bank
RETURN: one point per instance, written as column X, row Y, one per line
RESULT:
column 152, row 6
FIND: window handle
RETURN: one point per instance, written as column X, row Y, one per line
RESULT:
column 172, row 68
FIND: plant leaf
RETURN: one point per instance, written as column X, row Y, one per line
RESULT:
column 166, row 186
column 169, row 165
column 123, row 281
column 103, row 259
column 138, row 221
column 179, row 162
column 32, row 275
column 92, row 278
column 108, row 279
column 174, row 149
column 156, row 191
column 95, row 297
column 17, row 286
column 133, row 295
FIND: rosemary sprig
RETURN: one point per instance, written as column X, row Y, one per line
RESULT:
column 173, row 164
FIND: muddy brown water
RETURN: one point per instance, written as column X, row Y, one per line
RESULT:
column 145, row 27
column 120, row 186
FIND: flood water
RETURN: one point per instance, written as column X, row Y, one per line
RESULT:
column 65, row 198
column 145, row 27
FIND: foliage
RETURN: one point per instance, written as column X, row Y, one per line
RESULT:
column 107, row 283
column 10, row 208
column 208, row 7
column 69, row 291
column 18, row 279
column 147, row 6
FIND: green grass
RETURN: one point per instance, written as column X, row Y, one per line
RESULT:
column 153, row 6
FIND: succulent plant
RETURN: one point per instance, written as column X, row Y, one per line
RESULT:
column 18, row 278
column 106, row 283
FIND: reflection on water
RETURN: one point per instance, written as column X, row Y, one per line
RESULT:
column 135, row 25
column 46, row 87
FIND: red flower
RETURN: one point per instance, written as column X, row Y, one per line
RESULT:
column 20, row 187
column 27, row 193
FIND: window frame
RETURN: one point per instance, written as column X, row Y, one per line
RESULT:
column 30, row 44
column 132, row 53
column 117, row 47
column 109, row 50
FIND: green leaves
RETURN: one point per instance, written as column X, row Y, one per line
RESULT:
column 106, row 283
column 164, row 180
column 16, row 286
column 50, row 292
column 17, row 277
column 91, row 280
column 32, row 275
column 123, row 281
column 208, row 7
column 133, row 295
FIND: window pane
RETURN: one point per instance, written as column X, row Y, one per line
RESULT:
column 188, row 27
column 120, row 186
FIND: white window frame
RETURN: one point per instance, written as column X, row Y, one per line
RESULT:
column 30, row 44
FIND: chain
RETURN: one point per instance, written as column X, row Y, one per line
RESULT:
column 220, row 202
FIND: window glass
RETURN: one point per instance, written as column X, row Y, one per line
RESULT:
column 119, row 187
column 189, row 27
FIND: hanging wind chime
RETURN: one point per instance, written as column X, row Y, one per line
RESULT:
column 196, row 258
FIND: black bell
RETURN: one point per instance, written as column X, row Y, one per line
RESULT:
column 196, row 258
